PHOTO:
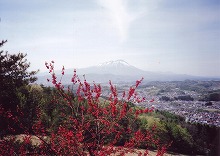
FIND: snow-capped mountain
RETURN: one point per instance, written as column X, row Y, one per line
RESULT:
column 117, row 63
column 118, row 67
column 117, row 71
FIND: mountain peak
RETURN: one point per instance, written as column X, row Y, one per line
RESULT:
column 114, row 63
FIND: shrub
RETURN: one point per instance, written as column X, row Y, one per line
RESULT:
column 88, row 126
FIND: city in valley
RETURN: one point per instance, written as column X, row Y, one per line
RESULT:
column 195, row 98
column 196, row 101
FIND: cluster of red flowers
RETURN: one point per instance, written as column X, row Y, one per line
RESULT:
column 94, row 127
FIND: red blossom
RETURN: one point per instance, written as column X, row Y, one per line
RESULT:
column 62, row 72
column 89, row 123
column 152, row 100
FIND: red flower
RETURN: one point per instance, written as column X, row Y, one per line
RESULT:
column 152, row 100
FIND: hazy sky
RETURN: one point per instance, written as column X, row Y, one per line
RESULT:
column 180, row 36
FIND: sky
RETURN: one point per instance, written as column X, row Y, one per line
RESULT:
column 181, row 36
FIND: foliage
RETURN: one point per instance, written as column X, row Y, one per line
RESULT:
column 165, row 98
column 186, row 138
column 80, row 124
column 167, row 129
column 214, row 97
column 185, row 98
column 14, row 78
column 206, row 139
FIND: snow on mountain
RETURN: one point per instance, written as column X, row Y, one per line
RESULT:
column 118, row 67
column 117, row 63
column 118, row 71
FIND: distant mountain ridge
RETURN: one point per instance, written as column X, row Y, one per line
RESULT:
column 117, row 71
column 118, row 67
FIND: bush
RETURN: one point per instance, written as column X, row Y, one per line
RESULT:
column 85, row 125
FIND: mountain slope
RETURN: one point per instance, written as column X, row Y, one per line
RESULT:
column 118, row 67
column 118, row 71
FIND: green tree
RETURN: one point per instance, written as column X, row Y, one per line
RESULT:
column 214, row 97
column 14, row 77
column 182, row 140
